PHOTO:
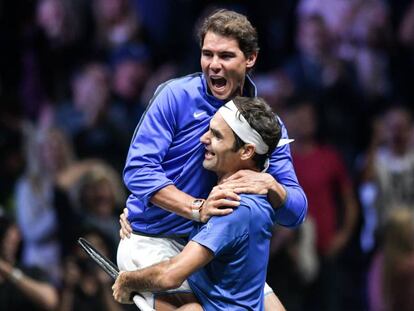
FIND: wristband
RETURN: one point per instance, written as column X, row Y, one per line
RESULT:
column 16, row 274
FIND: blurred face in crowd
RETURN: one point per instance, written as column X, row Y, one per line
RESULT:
column 112, row 11
column 99, row 198
column 313, row 37
column 301, row 122
column 55, row 150
column 129, row 79
column 91, row 89
column 49, row 16
column 224, row 65
column 398, row 129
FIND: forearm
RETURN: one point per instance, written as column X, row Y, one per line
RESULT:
column 42, row 294
column 174, row 200
column 158, row 277
column 293, row 210
column 165, row 275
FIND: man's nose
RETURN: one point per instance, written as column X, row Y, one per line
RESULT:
column 215, row 63
column 204, row 138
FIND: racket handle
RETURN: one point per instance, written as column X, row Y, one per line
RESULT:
column 141, row 303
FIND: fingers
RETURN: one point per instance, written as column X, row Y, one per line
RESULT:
column 215, row 212
column 222, row 211
column 126, row 229
column 235, row 176
column 221, row 203
column 239, row 187
column 228, row 194
column 250, row 189
column 119, row 291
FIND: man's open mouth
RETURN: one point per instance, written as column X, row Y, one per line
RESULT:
column 209, row 154
column 218, row 82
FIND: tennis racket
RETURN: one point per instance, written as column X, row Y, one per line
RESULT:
column 112, row 270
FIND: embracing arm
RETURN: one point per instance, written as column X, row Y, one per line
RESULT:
column 174, row 200
column 144, row 174
column 165, row 275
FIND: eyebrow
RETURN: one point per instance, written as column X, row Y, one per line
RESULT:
column 220, row 52
column 216, row 133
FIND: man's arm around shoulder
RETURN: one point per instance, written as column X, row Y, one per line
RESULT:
column 163, row 276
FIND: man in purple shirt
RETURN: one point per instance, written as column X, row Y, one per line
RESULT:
column 163, row 170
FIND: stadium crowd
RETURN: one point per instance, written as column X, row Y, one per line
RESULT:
column 76, row 76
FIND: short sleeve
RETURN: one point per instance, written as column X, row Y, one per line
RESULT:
column 222, row 233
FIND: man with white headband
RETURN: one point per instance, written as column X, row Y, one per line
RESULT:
column 225, row 261
column 169, row 188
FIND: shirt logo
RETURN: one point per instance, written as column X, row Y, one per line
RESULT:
column 198, row 114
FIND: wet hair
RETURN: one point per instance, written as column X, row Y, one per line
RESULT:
column 261, row 118
column 234, row 25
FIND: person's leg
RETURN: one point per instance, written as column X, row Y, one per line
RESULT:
column 272, row 303
column 191, row 307
column 182, row 301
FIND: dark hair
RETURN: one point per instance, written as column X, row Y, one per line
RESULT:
column 261, row 118
column 231, row 24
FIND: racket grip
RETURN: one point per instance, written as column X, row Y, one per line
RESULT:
column 141, row 303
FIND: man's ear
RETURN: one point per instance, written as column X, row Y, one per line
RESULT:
column 251, row 60
column 247, row 152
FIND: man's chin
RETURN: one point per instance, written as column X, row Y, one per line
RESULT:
column 207, row 166
column 220, row 95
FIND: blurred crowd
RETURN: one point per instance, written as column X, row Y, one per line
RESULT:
column 76, row 76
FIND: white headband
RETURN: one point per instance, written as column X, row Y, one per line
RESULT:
column 242, row 128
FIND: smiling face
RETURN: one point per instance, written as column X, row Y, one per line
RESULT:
column 220, row 156
column 224, row 65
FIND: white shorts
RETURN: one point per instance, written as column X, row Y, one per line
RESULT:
column 140, row 251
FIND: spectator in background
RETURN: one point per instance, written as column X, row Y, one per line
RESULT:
column 89, row 120
column 366, row 42
column 295, row 251
column 388, row 169
column 391, row 277
column 86, row 286
column 21, row 288
column 316, row 70
column 12, row 159
column 100, row 197
column 39, row 199
column 116, row 23
column 131, row 71
column 361, row 35
column 323, row 176
column 56, row 39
